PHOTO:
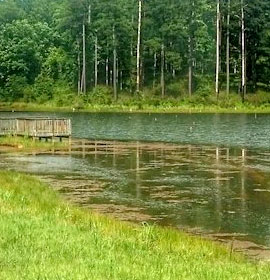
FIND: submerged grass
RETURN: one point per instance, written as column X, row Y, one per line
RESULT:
column 42, row 237
column 28, row 144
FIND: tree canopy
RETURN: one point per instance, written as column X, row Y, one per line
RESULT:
column 42, row 41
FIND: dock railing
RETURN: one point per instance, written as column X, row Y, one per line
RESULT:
column 36, row 127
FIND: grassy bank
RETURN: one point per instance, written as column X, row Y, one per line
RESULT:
column 28, row 144
column 184, row 108
column 42, row 237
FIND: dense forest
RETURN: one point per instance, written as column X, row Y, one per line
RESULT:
column 107, row 50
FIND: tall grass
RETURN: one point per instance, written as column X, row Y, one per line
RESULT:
column 42, row 237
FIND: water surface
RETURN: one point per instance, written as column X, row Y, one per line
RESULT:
column 205, row 172
column 237, row 130
column 209, row 189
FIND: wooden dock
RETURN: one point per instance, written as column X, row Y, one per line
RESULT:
column 36, row 127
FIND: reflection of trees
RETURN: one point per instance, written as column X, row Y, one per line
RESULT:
column 138, row 176
column 243, row 194
column 114, row 154
column 218, row 188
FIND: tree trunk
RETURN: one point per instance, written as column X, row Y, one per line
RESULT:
column 114, row 67
column 107, row 71
column 96, row 61
column 190, row 68
column 162, row 81
column 155, row 69
column 89, row 14
column 243, row 55
column 218, row 49
column 83, row 82
column 121, row 80
column 190, row 47
column 228, row 48
column 138, row 47
column 173, row 73
column 111, row 77
column 79, row 69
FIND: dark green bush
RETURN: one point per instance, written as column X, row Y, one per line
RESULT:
column 14, row 88
column 43, row 88
column 101, row 95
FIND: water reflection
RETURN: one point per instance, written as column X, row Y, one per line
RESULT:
column 212, row 189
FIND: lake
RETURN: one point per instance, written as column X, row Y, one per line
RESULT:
column 207, row 173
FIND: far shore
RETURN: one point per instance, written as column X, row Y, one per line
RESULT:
column 115, row 108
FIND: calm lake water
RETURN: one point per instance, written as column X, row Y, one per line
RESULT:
column 205, row 172
column 230, row 130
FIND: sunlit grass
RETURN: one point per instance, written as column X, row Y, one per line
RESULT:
column 144, row 108
column 42, row 237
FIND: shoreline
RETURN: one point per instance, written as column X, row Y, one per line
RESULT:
column 250, row 249
column 185, row 109
column 60, row 240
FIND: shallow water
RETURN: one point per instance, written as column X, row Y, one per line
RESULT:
column 212, row 190
column 207, row 173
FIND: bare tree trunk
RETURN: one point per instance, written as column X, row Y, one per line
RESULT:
column 228, row 48
column 218, row 49
column 79, row 69
column 162, row 81
column 107, row 71
column 114, row 67
column 121, row 80
column 155, row 69
column 190, row 46
column 111, row 77
column 138, row 46
column 243, row 51
column 96, row 61
column 190, row 68
column 132, row 42
column 173, row 73
column 83, row 82
column 89, row 14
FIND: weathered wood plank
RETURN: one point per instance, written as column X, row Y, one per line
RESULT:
column 38, row 127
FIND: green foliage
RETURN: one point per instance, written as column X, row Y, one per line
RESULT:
column 204, row 85
column 101, row 95
column 15, row 87
column 23, row 46
column 41, row 42
column 43, row 88
column 259, row 99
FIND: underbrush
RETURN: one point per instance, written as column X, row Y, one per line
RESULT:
column 176, row 99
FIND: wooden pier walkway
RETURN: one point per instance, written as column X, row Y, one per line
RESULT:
column 36, row 127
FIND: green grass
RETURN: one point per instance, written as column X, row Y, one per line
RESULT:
column 42, row 237
column 259, row 103
column 183, row 108
column 28, row 144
